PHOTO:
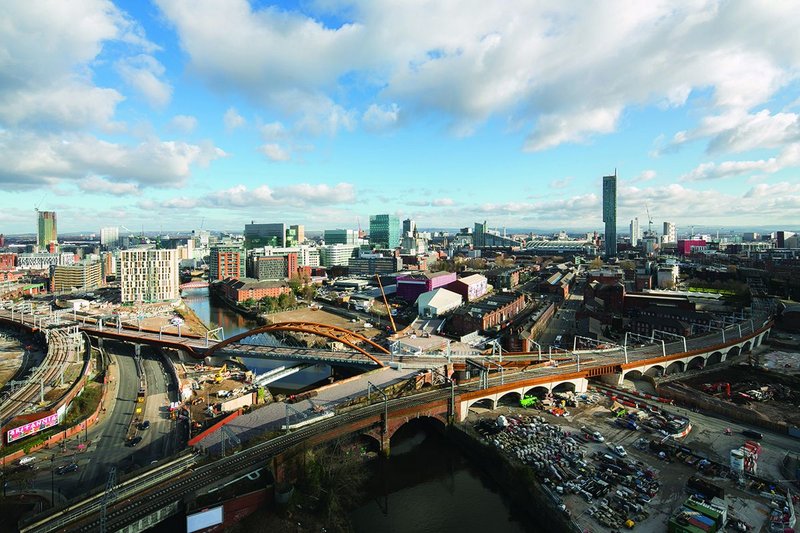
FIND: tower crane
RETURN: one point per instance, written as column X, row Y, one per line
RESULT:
column 649, row 219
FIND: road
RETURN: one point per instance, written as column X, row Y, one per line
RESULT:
column 108, row 437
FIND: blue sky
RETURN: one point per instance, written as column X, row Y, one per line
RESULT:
column 176, row 113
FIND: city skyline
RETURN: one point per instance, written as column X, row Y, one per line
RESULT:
column 187, row 114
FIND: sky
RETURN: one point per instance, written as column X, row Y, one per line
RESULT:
column 181, row 114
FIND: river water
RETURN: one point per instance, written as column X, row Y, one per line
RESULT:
column 426, row 486
column 215, row 314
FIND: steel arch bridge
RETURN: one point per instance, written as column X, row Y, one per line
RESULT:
column 335, row 333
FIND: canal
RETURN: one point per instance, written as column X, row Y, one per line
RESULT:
column 216, row 314
column 426, row 486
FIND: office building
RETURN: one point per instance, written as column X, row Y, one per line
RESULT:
column 375, row 264
column 336, row 254
column 148, row 275
column 47, row 234
column 341, row 236
column 258, row 235
column 409, row 228
column 635, row 232
column 670, row 232
column 610, row 214
column 295, row 235
column 384, row 231
column 226, row 260
column 85, row 275
column 109, row 238
column 273, row 267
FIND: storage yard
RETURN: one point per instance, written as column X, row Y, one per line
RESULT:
column 609, row 475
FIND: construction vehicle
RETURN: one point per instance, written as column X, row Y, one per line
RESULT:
column 720, row 386
column 220, row 376
column 529, row 401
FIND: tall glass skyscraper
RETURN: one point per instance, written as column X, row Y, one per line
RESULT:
column 610, row 213
column 48, row 232
column 384, row 231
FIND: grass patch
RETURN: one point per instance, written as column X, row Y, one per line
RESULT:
column 84, row 405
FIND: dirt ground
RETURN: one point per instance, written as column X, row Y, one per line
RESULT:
column 323, row 317
column 743, row 378
column 11, row 358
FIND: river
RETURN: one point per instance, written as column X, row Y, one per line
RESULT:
column 215, row 314
column 426, row 486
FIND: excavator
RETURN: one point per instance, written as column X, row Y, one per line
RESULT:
column 221, row 373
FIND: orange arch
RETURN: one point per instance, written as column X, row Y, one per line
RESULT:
column 345, row 336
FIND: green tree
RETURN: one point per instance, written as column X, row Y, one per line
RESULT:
column 596, row 263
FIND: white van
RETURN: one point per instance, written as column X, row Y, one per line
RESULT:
column 28, row 459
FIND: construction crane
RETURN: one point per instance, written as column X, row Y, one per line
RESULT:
column 386, row 303
column 649, row 219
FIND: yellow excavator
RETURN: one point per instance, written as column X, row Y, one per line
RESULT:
column 221, row 373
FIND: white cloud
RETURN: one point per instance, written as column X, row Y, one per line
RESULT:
column 789, row 157
column 46, row 49
column 380, row 118
column 143, row 73
column 298, row 196
column 552, row 130
column 442, row 202
column 232, row 119
column 645, row 175
column 561, row 183
column 274, row 131
column 183, row 123
column 97, row 184
column 32, row 159
column 275, row 152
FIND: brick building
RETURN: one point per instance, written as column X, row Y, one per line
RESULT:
column 240, row 290
column 504, row 278
column 490, row 313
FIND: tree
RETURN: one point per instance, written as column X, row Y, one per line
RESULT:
column 596, row 263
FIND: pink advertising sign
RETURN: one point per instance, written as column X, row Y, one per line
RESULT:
column 32, row 427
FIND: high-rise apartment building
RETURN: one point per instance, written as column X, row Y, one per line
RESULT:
column 670, row 232
column 258, row 235
column 341, row 236
column 148, row 275
column 109, row 238
column 610, row 213
column 636, row 232
column 47, row 233
column 226, row 261
column 384, row 231
column 409, row 228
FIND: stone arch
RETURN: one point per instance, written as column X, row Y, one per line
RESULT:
column 675, row 367
column 509, row 399
column 732, row 352
column 655, row 371
column 696, row 363
column 419, row 420
column 540, row 392
column 746, row 347
column 485, row 403
column 633, row 375
column 566, row 386
column 714, row 358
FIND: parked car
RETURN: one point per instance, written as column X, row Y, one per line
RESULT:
column 752, row 434
column 134, row 441
column 67, row 469
column 144, row 425
column 619, row 450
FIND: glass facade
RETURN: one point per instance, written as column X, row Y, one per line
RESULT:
column 384, row 231
column 610, row 213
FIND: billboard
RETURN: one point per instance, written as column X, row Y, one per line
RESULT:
column 32, row 427
column 204, row 519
